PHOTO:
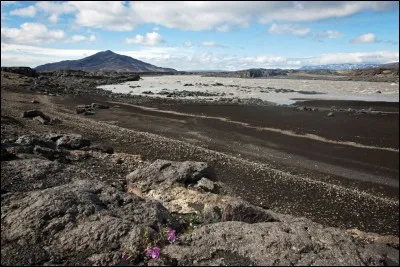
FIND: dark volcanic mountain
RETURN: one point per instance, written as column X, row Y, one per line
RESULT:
column 104, row 61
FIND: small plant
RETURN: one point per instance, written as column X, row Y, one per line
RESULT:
column 154, row 242
column 153, row 253
column 193, row 222
column 171, row 235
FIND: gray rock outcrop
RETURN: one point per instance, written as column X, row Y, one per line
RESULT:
column 296, row 242
column 80, row 218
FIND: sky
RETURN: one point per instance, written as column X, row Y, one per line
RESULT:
column 202, row 35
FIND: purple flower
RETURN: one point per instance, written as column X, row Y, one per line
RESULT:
column 171, row 235
column 153, row 253
column 123, row 257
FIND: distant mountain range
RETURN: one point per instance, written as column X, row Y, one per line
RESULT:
column 104, row 61
column 345, row 66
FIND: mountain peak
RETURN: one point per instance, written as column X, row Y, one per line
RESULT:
column 108, row 52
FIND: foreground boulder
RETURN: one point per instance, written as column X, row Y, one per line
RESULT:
column 182, row 187
column 296, row 242
column 169, row 172
column 84, row 222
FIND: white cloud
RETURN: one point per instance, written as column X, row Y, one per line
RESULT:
column 289, row 29
column 54, row 9
column 187, row 59
column 208, row 43
column 366, row 57
column 220, row 15
column 319, row 10
column 30, row 33
column 151, row 39
column 92, row 38
column 188, row 44
column 330, row 34
column 81, row 38
column 112, row 15
column 224, row 28
column 211, row 44
column 202, row 15
column 364, row 38
column 78, row 38
column 29, row 11
column 187, row 15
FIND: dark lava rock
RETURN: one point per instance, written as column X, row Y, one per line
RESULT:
column 41, row 119
column 309, row 92
column 160, row 171
column 85, row 221
column 205, row 184
column 101, row 106
column 48, row 153
column 5, row 155
column 51, row 136
column 35, row 102
column 295, row 242
column 33, row 140
column 82, row 108
column 72, row 141
column 34, row 113
column 18, row 149
column 89, row 112
column 188, row 84
column 147, row 93
column 238, row 210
